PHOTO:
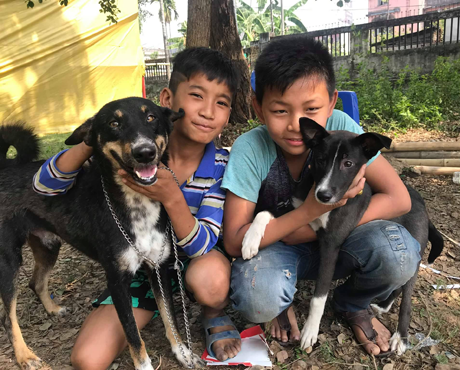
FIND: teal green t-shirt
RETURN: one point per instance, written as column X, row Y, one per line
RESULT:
column 253, row 157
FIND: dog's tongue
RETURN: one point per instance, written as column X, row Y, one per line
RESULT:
column 146, row 172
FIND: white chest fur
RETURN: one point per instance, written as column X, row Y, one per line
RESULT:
column 320, row 222
column 150, row 242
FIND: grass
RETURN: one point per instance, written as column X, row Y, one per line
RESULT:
column 49, row 146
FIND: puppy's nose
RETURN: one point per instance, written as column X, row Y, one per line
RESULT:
column 324, row 196
column 144, row 154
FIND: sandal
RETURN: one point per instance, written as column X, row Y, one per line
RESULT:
column 226, row 334
column 284, row 323
column 363, row 320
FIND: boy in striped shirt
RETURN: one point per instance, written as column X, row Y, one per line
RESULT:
column 203, row 83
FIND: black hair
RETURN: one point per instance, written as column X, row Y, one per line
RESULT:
column 212, row 63
column 286, row 59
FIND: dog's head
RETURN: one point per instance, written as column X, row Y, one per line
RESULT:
column 337, row 157
column 131, row 133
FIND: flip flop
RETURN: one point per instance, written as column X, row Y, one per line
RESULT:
column 363, row 320
column 215, row 323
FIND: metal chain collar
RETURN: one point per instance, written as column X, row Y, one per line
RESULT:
column 177, row 266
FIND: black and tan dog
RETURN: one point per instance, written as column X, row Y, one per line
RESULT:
column 131, row 134
column 336, row 160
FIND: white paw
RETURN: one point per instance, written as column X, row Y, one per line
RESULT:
column 62, row 311
column 254, row 235
column 397, row 344
column 190, row 360
column 146, row 365
column 309, row 334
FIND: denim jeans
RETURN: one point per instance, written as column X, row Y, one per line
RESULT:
column 377, row 257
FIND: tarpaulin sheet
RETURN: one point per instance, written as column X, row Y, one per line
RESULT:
column 60, row 64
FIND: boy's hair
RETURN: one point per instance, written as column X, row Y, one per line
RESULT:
column 286, row 59
column 212, row 63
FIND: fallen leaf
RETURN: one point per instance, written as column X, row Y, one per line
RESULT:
column 341, row 338
column 45, row 326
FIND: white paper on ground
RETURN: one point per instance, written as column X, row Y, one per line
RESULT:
column 254, row 350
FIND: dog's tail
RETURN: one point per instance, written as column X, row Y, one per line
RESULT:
column 23, row 139
column 437, row 242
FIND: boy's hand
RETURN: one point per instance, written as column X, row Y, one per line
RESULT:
column 163, row 190
column 316, row 209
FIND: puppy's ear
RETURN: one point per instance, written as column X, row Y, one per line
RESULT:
column 312, row 133
column 81, row 133
column 173, row 115
column 371, row 143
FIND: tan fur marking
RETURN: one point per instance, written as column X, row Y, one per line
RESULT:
column 44, row 263
column 24, row 356
column 169, row 334
column 144, row 108
column 114, row 146
column 160, row 141
column 139, row 357
column 119, row 113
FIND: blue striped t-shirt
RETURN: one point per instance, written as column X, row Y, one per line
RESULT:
column 202, row 192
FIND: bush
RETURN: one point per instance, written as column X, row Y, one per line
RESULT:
column 410, row 100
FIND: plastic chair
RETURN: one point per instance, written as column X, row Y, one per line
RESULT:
column 349, row 100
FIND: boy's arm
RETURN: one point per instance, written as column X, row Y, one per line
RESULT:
column 195, row 235
column 57, row 175
column 239, row 212
column 391, row 198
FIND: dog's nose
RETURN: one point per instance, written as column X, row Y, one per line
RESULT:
column 144, row 154
column 324, row 196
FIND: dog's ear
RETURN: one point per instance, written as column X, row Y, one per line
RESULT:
column 173, row 115
column 312, row 133
column 372, row 143
column 81, row 133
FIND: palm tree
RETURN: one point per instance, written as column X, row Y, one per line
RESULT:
column 251, row 23
column 179, row 42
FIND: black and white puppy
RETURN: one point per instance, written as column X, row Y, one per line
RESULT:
column 337, row 158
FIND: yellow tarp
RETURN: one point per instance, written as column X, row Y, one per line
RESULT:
column 60, row 64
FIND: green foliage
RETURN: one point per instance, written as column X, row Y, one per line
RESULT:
column 410, row 100
column 108, row 7
column 251, row 23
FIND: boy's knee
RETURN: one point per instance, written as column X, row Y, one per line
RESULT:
column 402, row 256
column 261, row 296
column 85, row 361
column 210, row 291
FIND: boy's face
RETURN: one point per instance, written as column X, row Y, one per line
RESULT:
column 207, row 106
column 281, row 112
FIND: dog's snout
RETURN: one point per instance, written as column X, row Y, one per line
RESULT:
column 324, row 196
column 144, row 153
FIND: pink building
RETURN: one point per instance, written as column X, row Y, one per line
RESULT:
column 391, row 9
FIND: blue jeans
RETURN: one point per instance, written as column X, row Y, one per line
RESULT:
column 377, row 257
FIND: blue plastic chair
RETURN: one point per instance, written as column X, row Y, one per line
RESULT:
column 349, row 100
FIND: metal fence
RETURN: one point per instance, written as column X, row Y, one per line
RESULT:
column 155, row 70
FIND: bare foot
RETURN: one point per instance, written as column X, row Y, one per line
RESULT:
column 225, row 348
column 381, row 341
column 282, row 335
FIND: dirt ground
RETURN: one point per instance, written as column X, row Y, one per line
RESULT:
column 76, row 280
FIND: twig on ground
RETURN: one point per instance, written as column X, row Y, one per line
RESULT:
column 159, row 365
column 450, row 239
column 375, row 364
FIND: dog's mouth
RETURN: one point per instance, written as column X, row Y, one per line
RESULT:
column 145, row 174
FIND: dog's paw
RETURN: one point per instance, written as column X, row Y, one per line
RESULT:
column 61, row 311
column 397, row 344
column 190, row 360
column 254, row 235
column 34, row 364
column 145, row 366
column 309, row 334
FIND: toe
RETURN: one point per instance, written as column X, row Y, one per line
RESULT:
column 284, row 336
column 220, row 353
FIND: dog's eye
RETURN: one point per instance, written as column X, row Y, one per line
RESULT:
column 114, row 124
column 150, row 118
column 348, row 164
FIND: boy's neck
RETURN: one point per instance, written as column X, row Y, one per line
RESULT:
column 296, row 163
column 183, row 151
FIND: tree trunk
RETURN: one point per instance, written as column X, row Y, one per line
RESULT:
column 225, row 38
column 165, row 40
column 198, row 23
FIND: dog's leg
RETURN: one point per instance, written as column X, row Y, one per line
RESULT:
column 399, row 339
column 329, row 251
column 254, row 235
column 183, row 355
column 26, row 359
column 385, row 306
column 46, row 251
column 118, row 283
